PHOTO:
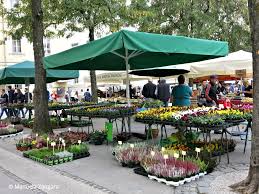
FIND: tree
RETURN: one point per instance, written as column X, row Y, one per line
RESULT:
column 41, row 120
column 63, row 17
column 251, row 184
column 211, row 19
column 19, row 19
column 94, row 15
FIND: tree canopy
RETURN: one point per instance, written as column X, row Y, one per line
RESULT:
column 225, row 20
column 63, row 17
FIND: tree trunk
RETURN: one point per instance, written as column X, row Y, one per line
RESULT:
column 92, row 72
column 251, row 183
column 41, row 120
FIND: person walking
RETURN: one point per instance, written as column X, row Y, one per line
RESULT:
column 149, row 90
column 4, row 102
column 87, row 96
column 211, row 92
column 20, row 100
column 181, row 93
column 11, row 99
column 163, row 92
column 27, row 99
column 27, row 96
column 10, row 94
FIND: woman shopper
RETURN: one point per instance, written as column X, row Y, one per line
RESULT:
column 181, row 93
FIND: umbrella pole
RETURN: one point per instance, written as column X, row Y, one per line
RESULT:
column 127, row 76
column 127, row 85
column 27, row 82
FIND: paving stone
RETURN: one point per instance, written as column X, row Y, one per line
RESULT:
column 103, row 174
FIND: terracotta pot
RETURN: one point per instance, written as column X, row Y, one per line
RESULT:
column 153, row 133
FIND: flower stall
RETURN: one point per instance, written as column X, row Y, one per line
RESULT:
column 55, row 149
column 156, row 163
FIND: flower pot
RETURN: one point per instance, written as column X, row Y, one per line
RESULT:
column 140, row 171
column 55, row 162
column 201, row 174
column 155, row 133
column 61, row 160
column 151, row 177
column 188, row 180
column 181, row 182
column 192, row 178
column 152, row 133
column 175, row 184
column 196, row 176
column 50, row 162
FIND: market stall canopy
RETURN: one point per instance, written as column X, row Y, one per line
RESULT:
column 125, row 50
column 141, row 50
column 228, row 65
column 23, row 72
column 162, row 71
column 219, row 78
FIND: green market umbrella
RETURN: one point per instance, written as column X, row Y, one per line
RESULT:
column 24, row 72
column 127, row 50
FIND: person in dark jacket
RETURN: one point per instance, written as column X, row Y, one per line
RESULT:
column 87, row 96
column 27, row 99
column 149, row 90
column 211, row 92
column 11, row 98
column 10, row 94
column 4, row 102
column 20, row 100
column 163, row 92
column 27, row 96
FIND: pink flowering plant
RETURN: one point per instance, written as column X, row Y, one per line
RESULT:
column 131, row 154
column 171, row 169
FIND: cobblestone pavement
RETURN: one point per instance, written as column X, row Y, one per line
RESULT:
column 100, row 173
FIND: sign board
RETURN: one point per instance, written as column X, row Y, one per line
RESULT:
column 241, row 73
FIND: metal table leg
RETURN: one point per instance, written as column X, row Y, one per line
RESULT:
column 249, row 125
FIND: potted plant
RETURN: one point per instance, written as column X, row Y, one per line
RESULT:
column 97, row 137
column 79, row 151
column 152, row 133
column 23, row 146
column 64, row 124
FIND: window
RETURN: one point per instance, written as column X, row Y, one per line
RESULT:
column 74, row 44
column 46, row 44
column 76, row 81
column 16, row 46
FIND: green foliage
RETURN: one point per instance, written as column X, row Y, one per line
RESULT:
column 97, row 137
column 211, row 19
column 207, row 120
column 63, row 17
column 40, row 153
column 77, row 149
column 19, row 19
